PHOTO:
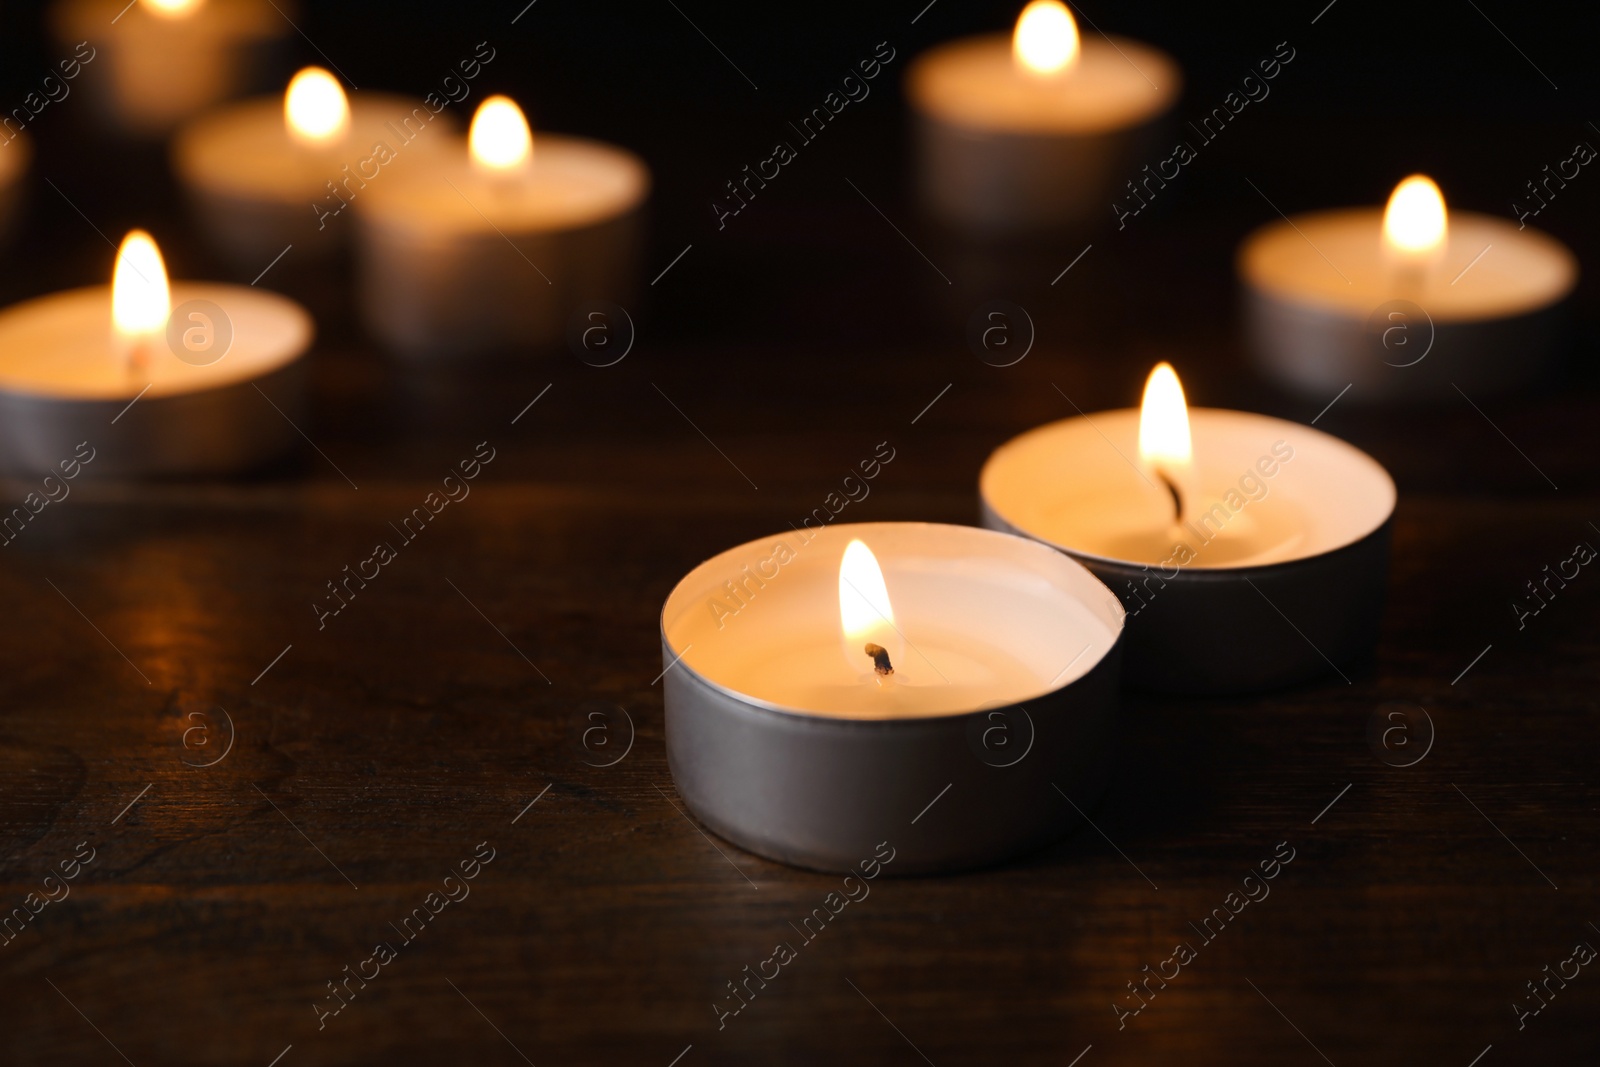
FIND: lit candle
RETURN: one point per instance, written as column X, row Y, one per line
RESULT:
column 1401, row 302
column 16, row 155
column 1249, row 551
column 819, row 692
column 866, row 618
column 141, row 301
column 1036, row 129
column 157, row 378
column 275, row 171
column 167, row 60
column 488, row 245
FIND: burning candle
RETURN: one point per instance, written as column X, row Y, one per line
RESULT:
column 168, row 60
column 1249, row 552
column 823, row 686
column 1038, row 129
column 271, row 172
column 158, row 379
column 488, row 246
column 1398, row 303
column 16, row 155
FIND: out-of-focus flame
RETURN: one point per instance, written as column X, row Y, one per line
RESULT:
column 315, row 108
column 140, row 299
column 172, row 9
column 1046, row 38
column 500, row 140
column 1415, row 222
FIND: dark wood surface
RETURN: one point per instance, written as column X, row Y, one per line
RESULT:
column 372, row 755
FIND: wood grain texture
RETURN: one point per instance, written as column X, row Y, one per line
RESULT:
column 381, row 749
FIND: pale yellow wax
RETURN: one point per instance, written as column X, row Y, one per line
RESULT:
column 1337, row 260
column 975, row 82
column 988, row 620
column 1270, row 491
column 61, row 345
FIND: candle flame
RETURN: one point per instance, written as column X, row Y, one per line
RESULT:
column 866, row 619
column 500, row 140
column 864, row 606
column 172, row 9
column 1415, row 222
column 1164, row 420
column 140, row 299
column 315, row 108
column 1046, row 38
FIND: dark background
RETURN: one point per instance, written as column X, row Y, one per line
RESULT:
column 798, row 337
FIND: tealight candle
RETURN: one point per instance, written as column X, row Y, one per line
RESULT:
column 1250, row 552
column 263, row 173
column 823, row 686
column 488, row 246
column 16, row 155
column 158, row 379
column 1401, row 302
column 1037, row 129
column 168, row 60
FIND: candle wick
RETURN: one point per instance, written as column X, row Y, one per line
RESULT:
column 880, row 660
column 137, row 358
column 1410, row 279
column 1177, row 497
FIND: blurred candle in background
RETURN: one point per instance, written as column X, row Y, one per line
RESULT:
column 1410, row 302
column 266, row 173
column 489, row 245
column 167, row 60
column 1036, row 129
column 154, row 378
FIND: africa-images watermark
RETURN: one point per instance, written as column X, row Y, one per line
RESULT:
column 602, row 737
column 1210, row 928
column 1211, row 126
column 854, row 89
column 1400, row 734
column 1252, row 488
column 454, row 489
column 1551, row 584
column 197, row 740
column 741, row 590
column 1541, row 994
column 53, row 888
column 54, row 489
column 455, row 890
column 54, row 89
column 1000, row 333
column 1552, row 183
column 600, row 333
column 833, row 904
column 341, row 191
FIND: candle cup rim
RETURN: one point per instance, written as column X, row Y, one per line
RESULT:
column 196, row 145
column 1197, row 575
column 182, row 291
column 852, row 723
column 393, row 204
column 1253, row 273
column 928, row 101
column 1193, row 571
column 897, row 720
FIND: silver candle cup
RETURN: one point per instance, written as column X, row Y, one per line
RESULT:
column 1304, row 613
column 948, row 791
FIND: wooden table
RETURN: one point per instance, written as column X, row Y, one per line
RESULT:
column 266, row 798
